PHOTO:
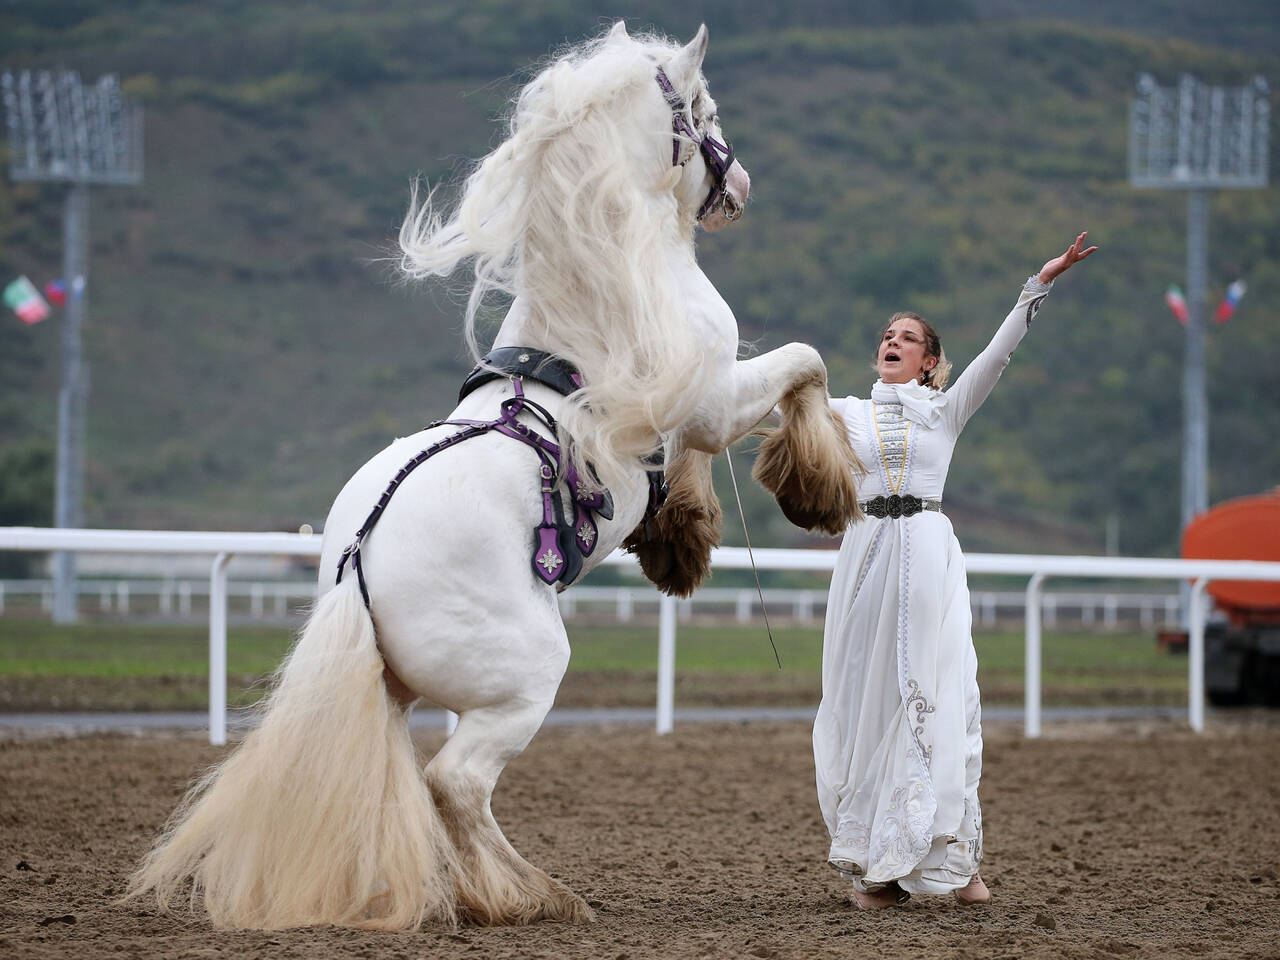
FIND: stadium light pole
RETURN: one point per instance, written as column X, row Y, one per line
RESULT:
column 1197, row 138
column 62, row 131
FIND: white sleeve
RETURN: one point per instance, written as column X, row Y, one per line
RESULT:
column 978, row 379
column 840, row 405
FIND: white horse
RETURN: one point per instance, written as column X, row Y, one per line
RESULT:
column 586, row 217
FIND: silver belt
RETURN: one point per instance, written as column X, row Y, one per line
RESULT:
column 895, row 506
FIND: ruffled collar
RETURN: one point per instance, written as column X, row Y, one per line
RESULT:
column 920, row 404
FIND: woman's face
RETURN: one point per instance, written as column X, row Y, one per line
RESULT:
column 901, row 356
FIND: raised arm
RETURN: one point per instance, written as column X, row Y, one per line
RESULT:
column 978, row 379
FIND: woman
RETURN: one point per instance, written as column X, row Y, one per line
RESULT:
column 898, row 738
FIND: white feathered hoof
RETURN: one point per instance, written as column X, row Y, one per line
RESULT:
column 808, row 464
column 674, row 548
column 494, row 885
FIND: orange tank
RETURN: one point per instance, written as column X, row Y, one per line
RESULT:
column 1247, row 528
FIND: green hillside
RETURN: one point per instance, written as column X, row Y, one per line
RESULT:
column 250, row 344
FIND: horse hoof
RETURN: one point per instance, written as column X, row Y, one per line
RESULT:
column 571, row 908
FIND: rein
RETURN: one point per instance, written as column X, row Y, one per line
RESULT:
column 718, row 156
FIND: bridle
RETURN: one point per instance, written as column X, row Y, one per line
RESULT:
column 718, row 156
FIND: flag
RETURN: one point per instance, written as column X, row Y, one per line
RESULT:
column 1173, row 297
column 55, row 291
column 26, row 301
column 1229, row 303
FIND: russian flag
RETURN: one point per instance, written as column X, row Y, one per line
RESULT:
column 25, row 300
column 55, row 292
column 1173, row 297
column 1229, row 303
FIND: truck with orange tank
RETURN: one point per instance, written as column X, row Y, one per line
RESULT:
column 1242, row 641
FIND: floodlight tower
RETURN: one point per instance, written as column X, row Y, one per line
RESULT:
column 64, row 132
column 1197, row 138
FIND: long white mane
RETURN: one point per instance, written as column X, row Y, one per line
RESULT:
column 576, row 214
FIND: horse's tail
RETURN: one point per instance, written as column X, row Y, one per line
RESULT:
column 321, row 815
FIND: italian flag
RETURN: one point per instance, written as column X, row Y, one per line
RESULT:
column 26, row 301
column 1177, row 304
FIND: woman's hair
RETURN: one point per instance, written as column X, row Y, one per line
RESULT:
column 938, row 376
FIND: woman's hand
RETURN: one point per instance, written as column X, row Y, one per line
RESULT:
column 1060, row 265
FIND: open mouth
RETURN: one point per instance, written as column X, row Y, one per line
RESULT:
column 891, row 357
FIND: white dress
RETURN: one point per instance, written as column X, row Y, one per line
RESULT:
column 897, row 741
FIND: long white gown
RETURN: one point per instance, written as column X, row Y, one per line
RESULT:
column 897, row 741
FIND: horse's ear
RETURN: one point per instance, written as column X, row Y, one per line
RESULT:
column 618, row 32
column 686, row 64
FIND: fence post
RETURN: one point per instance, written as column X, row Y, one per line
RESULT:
column 804, row 607
column 568, row 608
column 1195, row 657
column 1032, row 665
column 666, row 663
column 218, row 650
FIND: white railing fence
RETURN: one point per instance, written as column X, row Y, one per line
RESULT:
column 221, row 546
column 284, row 599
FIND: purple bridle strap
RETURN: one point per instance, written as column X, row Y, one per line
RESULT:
column 718, row 156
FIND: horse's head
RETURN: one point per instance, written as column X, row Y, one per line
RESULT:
column 711, row 183
column 614, row 152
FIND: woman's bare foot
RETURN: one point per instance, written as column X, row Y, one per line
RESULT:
column 890, row 895
column 976, row 892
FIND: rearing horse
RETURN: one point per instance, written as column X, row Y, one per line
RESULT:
column 620, row 347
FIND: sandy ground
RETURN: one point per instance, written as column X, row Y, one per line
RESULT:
column 1103, row 840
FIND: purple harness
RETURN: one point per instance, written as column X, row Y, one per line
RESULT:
column 718, row 156
column 565, row 536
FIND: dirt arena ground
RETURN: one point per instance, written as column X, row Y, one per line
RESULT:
column 1102, row 841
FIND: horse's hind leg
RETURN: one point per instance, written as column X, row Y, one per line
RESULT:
column 495, row 885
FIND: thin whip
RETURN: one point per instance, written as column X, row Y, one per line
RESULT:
column 751, row 554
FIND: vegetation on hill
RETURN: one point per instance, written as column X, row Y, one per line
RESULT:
column 250, row 346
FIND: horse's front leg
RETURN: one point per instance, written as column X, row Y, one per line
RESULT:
column 807, row 463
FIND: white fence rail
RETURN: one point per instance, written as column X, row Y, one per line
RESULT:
column 279, row 599
column 221, row 546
